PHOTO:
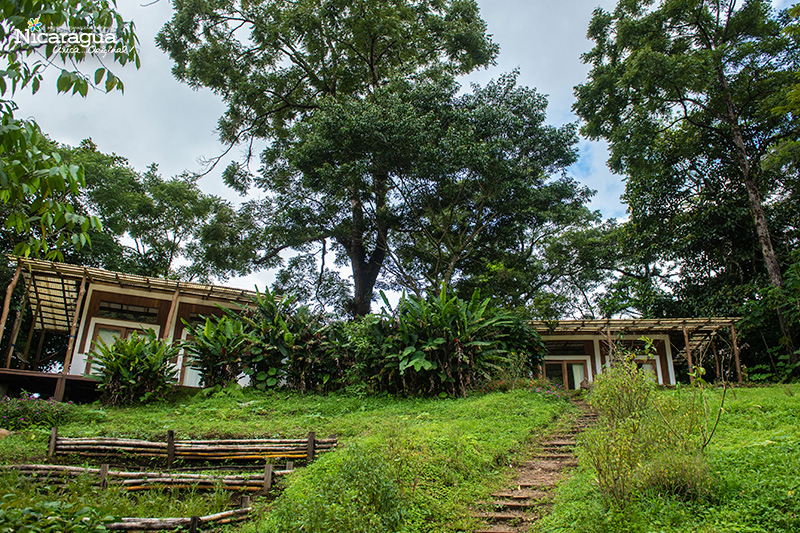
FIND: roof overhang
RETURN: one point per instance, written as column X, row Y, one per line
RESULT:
column 52, row 289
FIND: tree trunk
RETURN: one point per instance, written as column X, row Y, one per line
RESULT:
column 759, row 217
column 365, row 271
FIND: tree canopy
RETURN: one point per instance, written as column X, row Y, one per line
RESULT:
column 684, row 91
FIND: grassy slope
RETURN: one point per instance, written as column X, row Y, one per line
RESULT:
column 755, row 459
column 441, row 455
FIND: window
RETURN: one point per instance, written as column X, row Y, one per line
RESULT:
column 131, row 313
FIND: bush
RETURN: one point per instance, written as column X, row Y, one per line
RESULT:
column 292, row 347
column 352, row 490
column 29, row 411
column 138, row 369
column 640, row 445
column 217, row 348
column 20, row 515
column 443, row 345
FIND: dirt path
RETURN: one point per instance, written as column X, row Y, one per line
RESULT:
column 529, row 498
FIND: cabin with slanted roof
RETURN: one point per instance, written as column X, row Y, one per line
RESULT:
column 90, row 304
column 579, row 350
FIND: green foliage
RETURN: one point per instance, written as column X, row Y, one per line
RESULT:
column 217, row 348
column 293, row 347
column 750, row 466
column 36, row 186
column 643, row 445
column 442, row 345
column 30, row 411
column 20, row 515
column 354, row 490
column 684, row 92
column 138, row 369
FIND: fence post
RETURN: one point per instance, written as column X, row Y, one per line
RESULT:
column 312, row 442
column 267, row 478
column 289, row 465
column 244, row 502
column 104, row 476
column 51, row 450
column 170, row 448
column 194, row 523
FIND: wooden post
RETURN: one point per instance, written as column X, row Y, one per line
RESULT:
column 170, row 447
column 72, row 330
column 688, row 352
column 289, row 465
column 244, row 502
column 7, row 302
column 194, row 524
column 171, row 316
column 51, row 450
column 312, row 442
column 104, row 476
column 28, row 342
column 716, row 360
column 736, row 360
column 15, row 333
column 610, row 361
column 267, row 478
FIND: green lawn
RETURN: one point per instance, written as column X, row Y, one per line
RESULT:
column 434, row 457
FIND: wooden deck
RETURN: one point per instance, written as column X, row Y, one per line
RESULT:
column 77, row 388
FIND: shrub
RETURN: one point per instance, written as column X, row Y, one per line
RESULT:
column 29, row 411
column 138, row 369
column 445, row 345
column 640, row 445
column 352, row 490
column 20, row 515
column 292, row 347
column 217, row 348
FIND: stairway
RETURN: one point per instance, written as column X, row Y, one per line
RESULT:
column 529, row 498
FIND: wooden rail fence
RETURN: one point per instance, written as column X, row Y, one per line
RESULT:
column 191, row 450
column 136, row 481
column 192, row 524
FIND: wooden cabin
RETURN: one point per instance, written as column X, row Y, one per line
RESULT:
column 90, row 304
column 578, row 350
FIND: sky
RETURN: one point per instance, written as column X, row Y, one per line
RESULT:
column 160, row 120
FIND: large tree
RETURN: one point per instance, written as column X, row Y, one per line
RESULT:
column 277, row 64
column 683, row 90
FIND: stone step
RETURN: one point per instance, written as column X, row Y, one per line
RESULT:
column 552, row 456
column 507, row 516
column 522, row 494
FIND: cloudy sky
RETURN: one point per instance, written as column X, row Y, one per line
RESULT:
column 159, row 120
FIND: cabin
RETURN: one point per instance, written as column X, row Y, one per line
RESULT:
column 90, row 304
column 578, row 350
column 84, row 305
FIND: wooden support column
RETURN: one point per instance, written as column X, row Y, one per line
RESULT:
column 29, row 340
column 7, row 302
column 716, row 360
column 737, row 363
column 688, row 353
column 15, row 330
column 172, row 312
column 62, row 380
column 610, row 361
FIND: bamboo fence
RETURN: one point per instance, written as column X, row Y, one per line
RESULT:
column 136, row 481
column 192, row 523
column 191, row 450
